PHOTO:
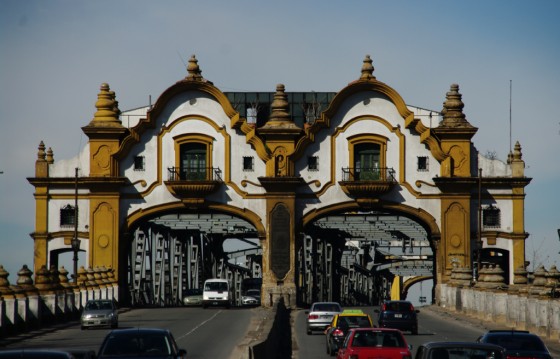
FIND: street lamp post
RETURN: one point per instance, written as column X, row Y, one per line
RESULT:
column 75, row 240
column 479, row 234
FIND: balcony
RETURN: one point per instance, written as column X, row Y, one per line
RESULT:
column 367, row 182
column 193, row 184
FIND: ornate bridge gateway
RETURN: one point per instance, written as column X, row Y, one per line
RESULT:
column 350, row 196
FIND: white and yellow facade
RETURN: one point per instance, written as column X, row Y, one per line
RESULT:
column 366, row 113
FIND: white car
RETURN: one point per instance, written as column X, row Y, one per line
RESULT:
column 320, row 315
column 251, row 297
column 100, row 313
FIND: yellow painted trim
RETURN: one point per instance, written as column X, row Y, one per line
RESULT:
column 203, row 139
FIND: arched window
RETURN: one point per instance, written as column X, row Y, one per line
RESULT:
column 192, row 162
column 367, row 161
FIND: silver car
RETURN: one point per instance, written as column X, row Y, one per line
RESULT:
column 100, row 313
column 320, row 315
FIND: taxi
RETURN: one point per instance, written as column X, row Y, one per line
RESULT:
column 341, row 323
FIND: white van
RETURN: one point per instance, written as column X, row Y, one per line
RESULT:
column 216, row 293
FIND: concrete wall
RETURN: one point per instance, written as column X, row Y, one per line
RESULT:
column 51, row 299
column 517, row 307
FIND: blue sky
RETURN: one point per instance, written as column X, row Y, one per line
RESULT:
column 54, row 55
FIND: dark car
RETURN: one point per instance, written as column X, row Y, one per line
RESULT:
column 35, row 353
column 140, row 343
column 374, row 343
column 398, row 314
column 452, row 350
column 341, row 324
column 517, row 343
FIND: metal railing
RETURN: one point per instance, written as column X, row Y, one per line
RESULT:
column 381, row 174
column 194, row 174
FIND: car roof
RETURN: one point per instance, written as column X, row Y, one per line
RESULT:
column 139, row 331
column 510, row 332
column 35, row 353
column 431, row 345
column 375, row 329
column 352, row 314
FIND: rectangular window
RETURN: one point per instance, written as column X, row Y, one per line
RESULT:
column 139, row 163
column 313, row 163
column 248, row 163
column 491, row 217
column 422, row 163
column 252, row 114
column 67, row 216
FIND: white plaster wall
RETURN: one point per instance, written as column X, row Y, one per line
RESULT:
column 184, row 114
column 67, row 167
column 493, row 168
column 54, row 207
column 369, row 106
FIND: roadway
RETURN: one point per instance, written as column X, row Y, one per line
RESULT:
column 217, row 332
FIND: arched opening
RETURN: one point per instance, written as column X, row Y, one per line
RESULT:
column 171, row 252
column 354, row 257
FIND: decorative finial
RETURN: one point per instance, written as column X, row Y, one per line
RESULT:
column 41, row 153
column 280, row 106
column 517, row 151
column 452, row 112
column 367, row 69
column 194, row 70
column 50, row 156
column 107, row 111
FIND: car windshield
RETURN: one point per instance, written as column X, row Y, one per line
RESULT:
column 194, row 291
column 464, row 353
column 99, row 305
column 149, row 344
column 326, row 307
column 377, row 339
column 398, row 307
column 216, row 286
column 345, row 322
column 517, row 342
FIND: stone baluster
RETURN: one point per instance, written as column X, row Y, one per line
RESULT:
column 92, row 285
column 99, row 282
column 60, row 293
column 25, row 281
column 47, row 293
column 461, row 276
column 82, row 287
column 553, row 282
column 7, row 296
column 70, row 304
column 114, row 285
column 520, row 281
column 537, row 288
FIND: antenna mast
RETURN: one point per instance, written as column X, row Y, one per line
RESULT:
column 509, row 115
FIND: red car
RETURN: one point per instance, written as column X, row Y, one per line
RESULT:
column 364, row 343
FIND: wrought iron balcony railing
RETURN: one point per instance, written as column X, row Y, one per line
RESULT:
column 381, row 174
column 194, row 174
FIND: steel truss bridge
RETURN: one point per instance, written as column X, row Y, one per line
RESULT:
column 351, row 257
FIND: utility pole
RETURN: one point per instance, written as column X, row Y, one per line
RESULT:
column 479, row 244
column 75, row 241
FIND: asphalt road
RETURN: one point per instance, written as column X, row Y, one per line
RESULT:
column 434, row 324
column 204, row 333
column 217, row 332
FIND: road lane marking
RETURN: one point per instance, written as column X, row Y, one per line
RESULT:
column 200, row 325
